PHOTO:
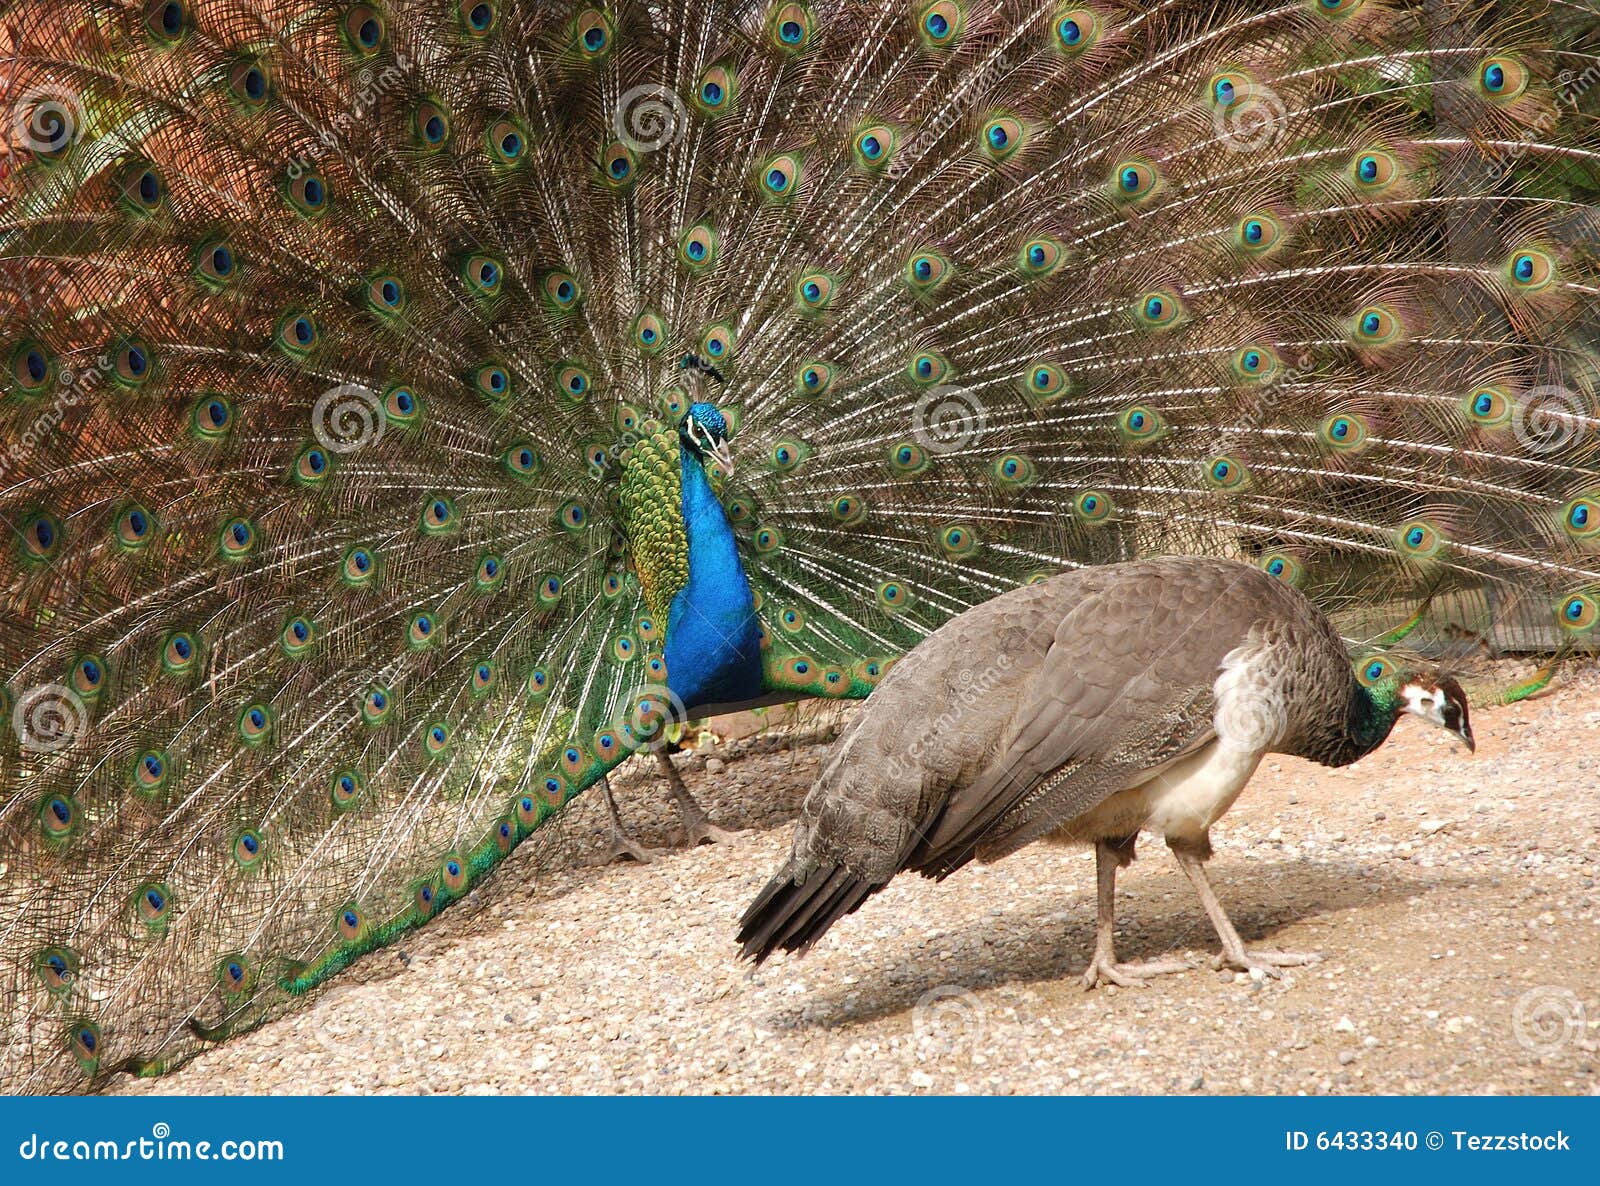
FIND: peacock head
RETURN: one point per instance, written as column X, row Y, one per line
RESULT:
column 1437, row 698
column 704, row 432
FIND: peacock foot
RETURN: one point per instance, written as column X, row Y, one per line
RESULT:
column 699, row 830
column 624, row 848
column 1105, row 970
column 1271, row 963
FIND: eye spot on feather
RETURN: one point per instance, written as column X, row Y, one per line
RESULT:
column 377, row 705
column 1530, row 271
column 58, row 817
column 212, row 418
column 1226, row 473
column 1283, row 567
column 166, row 20
column 1093, row 507
column 83, row 1040
column 1578, row 612
column 153, row 907
column 1502, row 79
column 1076, row 31
column 714, row 96
column 697, row 247
column 255, row 724
column 1134, row 180
column 1376, row 326
column 297, row 637
column 345, row 790
column 941, row 23
column 1581, row 517
column 591, row 34
column 1419, row 540
column 151, row 773
column 790, row 27
column 438, row 515
column 780, row 177
column 57, row 969
column 894, row 597
column 1002, row 137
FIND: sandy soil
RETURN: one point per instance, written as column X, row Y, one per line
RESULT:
column 1454, row 899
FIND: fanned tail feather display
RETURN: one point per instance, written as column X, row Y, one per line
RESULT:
column 352, row 497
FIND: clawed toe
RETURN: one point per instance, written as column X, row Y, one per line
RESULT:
column 705, row 832
column 1271, row 963
column 1105, row 971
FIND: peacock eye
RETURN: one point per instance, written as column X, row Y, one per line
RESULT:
column 1375, row 671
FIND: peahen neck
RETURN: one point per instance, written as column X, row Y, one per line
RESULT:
column 713, row 648
column 1370, row 716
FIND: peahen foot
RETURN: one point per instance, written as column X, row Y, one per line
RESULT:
column 1104, row 969
column 1103, row 966
column 1271, row 963
column 697, row 826
column 1234, row 953
column 623, row 847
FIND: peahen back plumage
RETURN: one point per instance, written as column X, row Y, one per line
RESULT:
column 367, row 368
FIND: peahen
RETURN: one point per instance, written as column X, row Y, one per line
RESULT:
column 369, row 372
column 1130, row 697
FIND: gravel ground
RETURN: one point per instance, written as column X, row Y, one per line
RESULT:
column 1454, row 899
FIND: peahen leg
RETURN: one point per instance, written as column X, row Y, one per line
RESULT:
column 697, row 826
column 623, row 846
column 1234, row 953
column 1109, row 856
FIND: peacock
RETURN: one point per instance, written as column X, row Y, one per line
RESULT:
column 1091, row 733
column 413, row 409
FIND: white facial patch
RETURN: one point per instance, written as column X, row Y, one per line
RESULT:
column 1427, row 703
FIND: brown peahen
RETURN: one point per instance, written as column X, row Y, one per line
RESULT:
column 373, row 373
column 1114, row 700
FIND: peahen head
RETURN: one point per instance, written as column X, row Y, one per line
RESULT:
column 1438, row 698
column 704, row 432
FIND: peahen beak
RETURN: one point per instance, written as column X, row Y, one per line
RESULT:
column 723, row 457
column 1465, row 733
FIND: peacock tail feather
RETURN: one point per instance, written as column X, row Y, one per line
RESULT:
column 343, row 485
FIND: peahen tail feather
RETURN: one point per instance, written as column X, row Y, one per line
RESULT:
column 332, row 333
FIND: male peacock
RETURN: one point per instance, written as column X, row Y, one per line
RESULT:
column 1138, row 696
column 367, row 367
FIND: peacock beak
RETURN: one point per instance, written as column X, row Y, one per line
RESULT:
column 723, row 457
column 1465, row 733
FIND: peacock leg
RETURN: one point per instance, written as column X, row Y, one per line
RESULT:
column 1234, row 953
column 697, row 825
column 623, row 846
column 1109, row 856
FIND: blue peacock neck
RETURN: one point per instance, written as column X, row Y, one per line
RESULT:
column 713, row 647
